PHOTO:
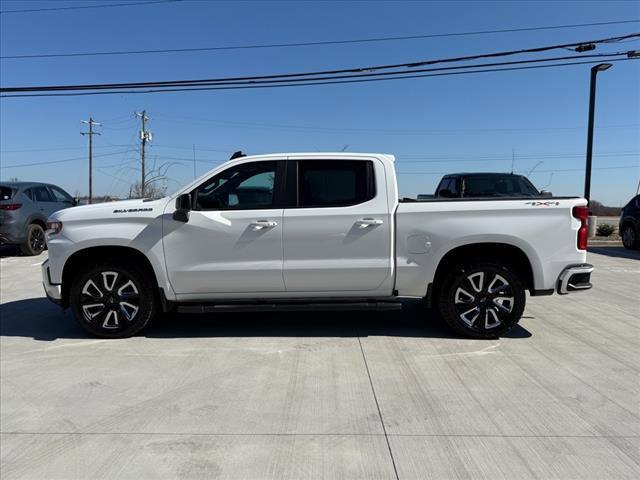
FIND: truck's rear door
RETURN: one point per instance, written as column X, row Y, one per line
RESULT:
column 338, row 236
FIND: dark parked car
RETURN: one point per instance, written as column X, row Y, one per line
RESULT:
column 24, row 209
column 629, row 226
column 469, row 185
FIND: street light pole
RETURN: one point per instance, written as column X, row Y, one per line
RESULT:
column 592, row 105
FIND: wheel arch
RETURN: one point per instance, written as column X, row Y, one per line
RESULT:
column 500, row 252
column 38, row 221
column 120, row 254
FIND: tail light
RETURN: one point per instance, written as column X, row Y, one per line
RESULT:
column 54, row 227
column 582, row 214
column 11, row 206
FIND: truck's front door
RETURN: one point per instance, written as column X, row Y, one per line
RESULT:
column 337, row 236
column 232, row 241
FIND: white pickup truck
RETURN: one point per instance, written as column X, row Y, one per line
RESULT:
column 312, row 231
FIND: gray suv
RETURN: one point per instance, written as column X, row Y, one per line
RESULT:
column 24, row 209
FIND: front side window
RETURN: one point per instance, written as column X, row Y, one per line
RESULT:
column 334, row 183
column 248, row 186
column 60, row 195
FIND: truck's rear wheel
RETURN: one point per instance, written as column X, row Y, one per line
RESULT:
column 481, row 300
column 113, row 301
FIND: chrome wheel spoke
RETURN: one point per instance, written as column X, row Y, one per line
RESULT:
column 476, row 280
column 128, row 310
column 92, row 310
column 491, row 318
column 127, row 289
column 470, row 316
column 499, row 303
column 109, row 280
column 111, row 320
column 92, row 290
column 463, row 296
column 498, row 284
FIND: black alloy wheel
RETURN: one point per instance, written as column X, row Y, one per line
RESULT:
column 113, row 301
column 482, row 300
column 629, row 237
column 35, row 242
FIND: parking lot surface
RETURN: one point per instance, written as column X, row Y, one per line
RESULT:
column 340, row 395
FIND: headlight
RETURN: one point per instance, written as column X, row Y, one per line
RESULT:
column 53, row 227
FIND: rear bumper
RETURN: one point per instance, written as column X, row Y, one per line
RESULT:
column 53, row 291
column 11, row 233
column 575, row 278
column 8, row 239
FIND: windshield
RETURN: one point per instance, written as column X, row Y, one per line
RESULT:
column 498, row 186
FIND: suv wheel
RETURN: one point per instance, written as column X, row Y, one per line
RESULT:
column 481, row 300
column 629, row 237
column 35, row 242
column 113, row 301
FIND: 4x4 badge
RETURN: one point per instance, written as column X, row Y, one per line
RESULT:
column 542, row 204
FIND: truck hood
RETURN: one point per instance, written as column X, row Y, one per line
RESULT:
column 111, row 210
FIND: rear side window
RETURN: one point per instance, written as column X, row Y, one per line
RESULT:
column 41, row 194
column 5, row 193
column 452, row 186
column 498, row 185
column 335, row 183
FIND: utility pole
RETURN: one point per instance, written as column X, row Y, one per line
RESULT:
column 90, row 134
column 145, row 136
column 194, row 161
column 592, row 106
column 513, row 159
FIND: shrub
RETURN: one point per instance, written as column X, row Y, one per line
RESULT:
column 605, row 230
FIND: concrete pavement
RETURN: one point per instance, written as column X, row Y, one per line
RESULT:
column 344, row 395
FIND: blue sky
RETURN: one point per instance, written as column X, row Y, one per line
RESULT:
column 433, row 125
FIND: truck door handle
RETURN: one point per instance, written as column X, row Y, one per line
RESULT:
column 367, row 222
column 261, row 224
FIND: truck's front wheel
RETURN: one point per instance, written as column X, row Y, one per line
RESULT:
column 113, row 301
column 481, row 300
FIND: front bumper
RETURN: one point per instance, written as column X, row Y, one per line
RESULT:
column 575, row 278
column 53, row 291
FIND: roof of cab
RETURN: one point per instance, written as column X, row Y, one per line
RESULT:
column 333, row 155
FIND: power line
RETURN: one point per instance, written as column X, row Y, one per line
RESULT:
column 26, row 150
column 562, row 170
column 504, row 159
column 310, row 44
column 360, row 71
column 377, row 131
column 300, row 83
column 106, row 5
column 50, row 162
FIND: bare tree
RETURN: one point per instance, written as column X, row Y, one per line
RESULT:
column 155, row 184
column 151, row 190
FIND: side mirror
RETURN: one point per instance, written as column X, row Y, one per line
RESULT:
column 76, row 201
column 545, row 194
column 183, row 207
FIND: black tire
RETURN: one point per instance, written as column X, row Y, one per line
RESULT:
column 111, row 300
column 35, row 242
column 629, row 237
column 482, row 299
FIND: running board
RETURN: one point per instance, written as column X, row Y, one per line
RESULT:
column 288, row 307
